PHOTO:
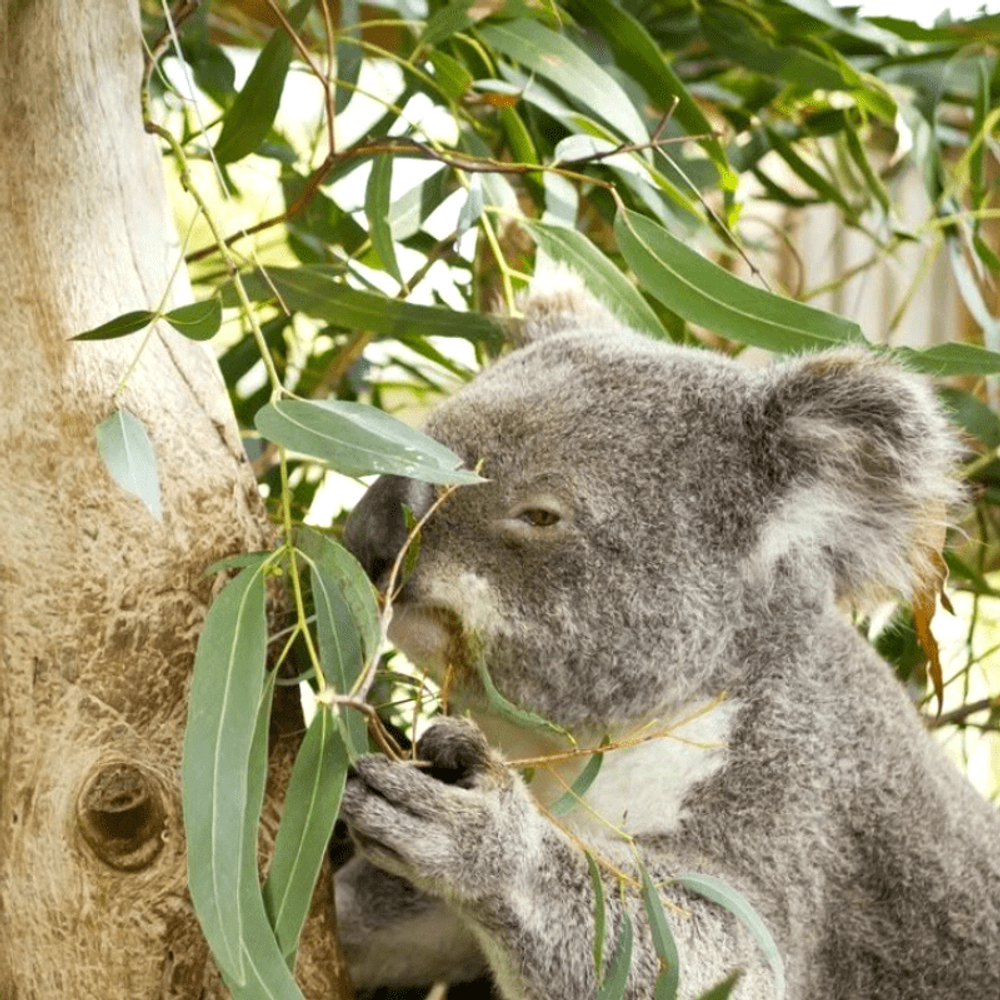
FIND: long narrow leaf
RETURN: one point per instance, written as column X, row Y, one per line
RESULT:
column 636, row 50
column 120, row 326
column 663, row 940
column 357, row 439
column 600, row 913
column 252, row 113
column 225, row 695
column 268, row 975
column 347, row 623
column 128, row 456
column 703, row 293
column 601, row 277
column 717, row 891
column 613, row 986
column 556, row 58
column 319, row 290
column 311, row 805
column 569, row 800
column 378, row 202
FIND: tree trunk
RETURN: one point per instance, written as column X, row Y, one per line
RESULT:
column 100, row 603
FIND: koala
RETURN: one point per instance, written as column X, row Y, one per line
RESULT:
column 659, row 560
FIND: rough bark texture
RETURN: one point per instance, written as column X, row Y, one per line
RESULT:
column 100, row 604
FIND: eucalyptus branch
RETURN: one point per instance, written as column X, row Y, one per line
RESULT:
column 960, row 714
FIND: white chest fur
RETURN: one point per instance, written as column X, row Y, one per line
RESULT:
column 642, row 783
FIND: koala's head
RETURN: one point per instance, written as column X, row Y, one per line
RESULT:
column 640, row 498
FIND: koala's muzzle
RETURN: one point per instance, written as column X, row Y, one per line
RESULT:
column 376, row 529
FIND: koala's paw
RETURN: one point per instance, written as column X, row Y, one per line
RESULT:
column 457, row 827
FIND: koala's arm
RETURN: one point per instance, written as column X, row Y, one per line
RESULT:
column 467, row 832
column 393, row 934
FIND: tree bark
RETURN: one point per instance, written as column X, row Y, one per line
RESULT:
column 100, row 603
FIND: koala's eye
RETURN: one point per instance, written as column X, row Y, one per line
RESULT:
column 538, row 517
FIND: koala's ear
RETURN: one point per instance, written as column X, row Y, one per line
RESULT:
column 559, row 302
column 863, row 464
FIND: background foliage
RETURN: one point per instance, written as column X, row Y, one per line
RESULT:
column 361, row 185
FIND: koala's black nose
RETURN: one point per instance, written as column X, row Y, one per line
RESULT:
column 376, row 529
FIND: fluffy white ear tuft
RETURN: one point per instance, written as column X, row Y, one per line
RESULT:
column 559, row 302
column 863, row 463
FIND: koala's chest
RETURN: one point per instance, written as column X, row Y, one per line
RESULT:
column 644, row 776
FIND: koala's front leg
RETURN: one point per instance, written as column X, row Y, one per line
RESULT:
column 395, row 935
column 466, row 830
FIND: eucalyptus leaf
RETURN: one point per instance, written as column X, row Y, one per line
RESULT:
column 197, row 320
column 600, row 912
column 128, row 456
column 347, row 624
column 355, row 439
column 663, row 940
column 226, row 687
column 703, row 293
column 319, row 290
column 602, row 278
column 268, row 975
column 310, row 811
column 717, row 891
column 378, row 205
column 348, row 54
column 570, row 799
column 953, row 358
column 554, row 57
column 722, row 990
column 120, row 326
column 252, row 113
column 614, row 983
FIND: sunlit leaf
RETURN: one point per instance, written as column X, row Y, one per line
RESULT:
column 570, row 799
column 310, row 811
column 347, row 623
column 356, row 439
column 120, row 326
column 600, row 276
column 251, row 115
column 641, row 56
column 128, row 456
column 378, row 202
column 319, row 290
column 717, row 891
column 614, row 983
column 197, row 320
column 226, row 687
column 663, row 940
column 556, row 58
column 703, row 293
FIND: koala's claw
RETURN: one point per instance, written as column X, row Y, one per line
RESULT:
column 456, row 751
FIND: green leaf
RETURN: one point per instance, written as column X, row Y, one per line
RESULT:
column 555, row 58
column 198, row 320
column 120, row 326
column 637, row 52
column 319, row 290
column 348, row 54
column 572, row 796
column 722, row 990
column 704, row 293
column 240, row 561
column 347, row 624
column 950, row 359
column 823, row 187
column 613, row 986
column 251, row 115
column 357, row 439
column 973, row 415
column 310, row 811
column 128, row 456
column 602, row 278
column 473, row 206
column 717, row 891
column 663, row 940
column 600, row 913
column 225, row 694
column 452, row 77
column 378, row 203
column 267, row 973
column 826, row 13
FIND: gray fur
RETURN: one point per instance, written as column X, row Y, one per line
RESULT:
column 708, row 523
